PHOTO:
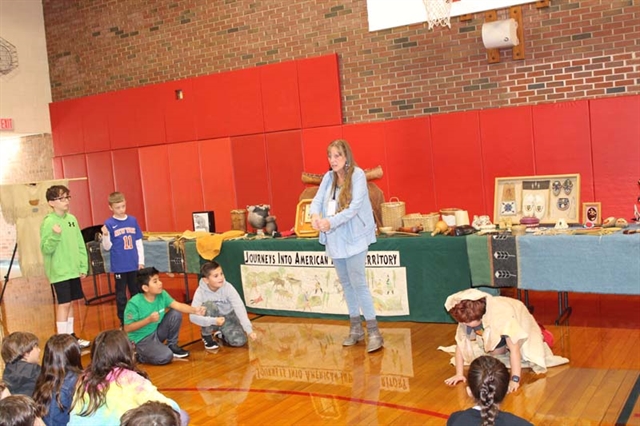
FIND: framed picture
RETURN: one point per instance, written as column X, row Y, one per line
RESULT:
column 303, row 226
column 204, row 221
column 547, row 198
column 592, row 213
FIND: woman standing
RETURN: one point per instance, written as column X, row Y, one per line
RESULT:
column 342, row 212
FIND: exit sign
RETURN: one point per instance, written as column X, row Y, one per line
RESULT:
column 6, row 123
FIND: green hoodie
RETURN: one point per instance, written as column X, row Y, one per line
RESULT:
column 65, row 254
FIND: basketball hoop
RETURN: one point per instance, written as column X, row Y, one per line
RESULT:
column 438, row 12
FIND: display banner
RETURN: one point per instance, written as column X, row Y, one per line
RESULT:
column 306, row 281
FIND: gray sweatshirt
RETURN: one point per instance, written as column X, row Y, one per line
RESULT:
column 226, row 299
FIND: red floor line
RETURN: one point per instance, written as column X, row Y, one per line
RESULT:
column 309, row 394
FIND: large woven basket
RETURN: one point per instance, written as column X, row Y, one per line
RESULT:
column 392, row 213
column 427, row 221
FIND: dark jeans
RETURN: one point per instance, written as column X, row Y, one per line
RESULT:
column 151, row 350
column 232, row 332
column 124, row 280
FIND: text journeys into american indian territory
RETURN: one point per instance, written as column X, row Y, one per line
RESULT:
column 314, row 258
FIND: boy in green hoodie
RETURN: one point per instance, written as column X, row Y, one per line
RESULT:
column 65, row 257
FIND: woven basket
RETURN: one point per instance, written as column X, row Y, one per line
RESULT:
column 427, row 221
column 392, row 213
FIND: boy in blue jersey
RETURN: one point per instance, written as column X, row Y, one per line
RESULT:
column 122, row 237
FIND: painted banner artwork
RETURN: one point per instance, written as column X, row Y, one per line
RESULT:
column 306, row 281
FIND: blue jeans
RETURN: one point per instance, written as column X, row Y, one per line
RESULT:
column 352, row 276
column 151, row 350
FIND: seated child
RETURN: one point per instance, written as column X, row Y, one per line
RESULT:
column 495, row 325
column 21, row 354
column 19, row 410
column 151, row 413
column 113, row 384
column 225, row 311
column 488, row 381
column 61, row 366
column 147, row 323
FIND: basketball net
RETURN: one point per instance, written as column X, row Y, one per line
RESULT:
column 438, row 12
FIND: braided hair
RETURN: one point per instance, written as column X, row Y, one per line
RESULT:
column 488, row 380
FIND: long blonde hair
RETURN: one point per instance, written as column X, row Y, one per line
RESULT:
column 346, row 192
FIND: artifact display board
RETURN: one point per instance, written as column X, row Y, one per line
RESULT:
column 547, row 198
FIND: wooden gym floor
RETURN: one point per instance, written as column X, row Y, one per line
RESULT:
column 298, row 372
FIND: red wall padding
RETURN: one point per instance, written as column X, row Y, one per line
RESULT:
column 149, row 108
column 228, row 104
column 314, row 147
column 126, row 173
column 66, row 127
column 75, row 166
column 563, row 142
column 367, row 142
column 179, row 114
column 186, row 183
column 284, row 158
column 507, row 147
column 280, row 96
column 95, row 123
column 156, row 188
column 615, row 136
column 100, row 175
column 457, row 165
column 250, row 170
column 58, row 170
column 122, row 119
column 408, row 166
column 319, row 83
column 216, row 166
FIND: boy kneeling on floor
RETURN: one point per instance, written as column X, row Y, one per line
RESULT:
column 226, row 316
column 148, row 323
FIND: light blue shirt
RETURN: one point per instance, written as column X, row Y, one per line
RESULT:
column 353, row 229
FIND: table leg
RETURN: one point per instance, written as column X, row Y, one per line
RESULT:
column 95, row 291
column 564, row 310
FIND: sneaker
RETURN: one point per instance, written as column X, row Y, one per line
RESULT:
column 84, row 344
column 209, row 343
column 218, row 335
column 178, row 352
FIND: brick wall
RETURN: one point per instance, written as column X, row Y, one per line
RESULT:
column 26, row 159
column 574, row 49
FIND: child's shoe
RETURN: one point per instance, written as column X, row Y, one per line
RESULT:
column 84, row 344
column 178, row 352
column 209, row 343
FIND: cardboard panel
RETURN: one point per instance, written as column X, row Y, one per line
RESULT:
column 149, row 106
column 319, row 84
column 280, row 96
column 563, row 142
column 122, row 119
column 179, row 116
column 66, row 127
column 314, row 147
column 507, row 146
column 216, row 165
column 100, row 174
column 186, row 183
column 228, row 104
column 156, row 184
column 75, row 166
column 367, row 142
column 457, row 167
column 615, row 135
column 95, row 123
column 408, row 167
column 126, row 172
column 250, row 170
column 284, row 157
